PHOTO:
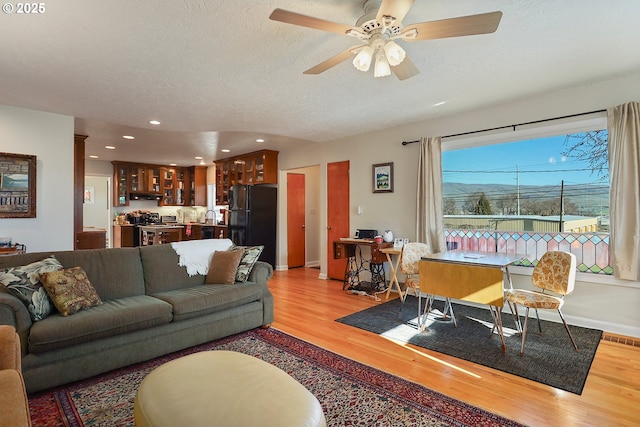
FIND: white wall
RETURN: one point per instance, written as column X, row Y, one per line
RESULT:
column 50, row 138
column 396, row 211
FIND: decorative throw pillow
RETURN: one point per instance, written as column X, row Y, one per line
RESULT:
column 250, row 255
column 223, row 267
column 24, row 283
column 70, row 290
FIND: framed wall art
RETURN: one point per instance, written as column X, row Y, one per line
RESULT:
column 383, row 178
column 17, row 186
column 89, row 195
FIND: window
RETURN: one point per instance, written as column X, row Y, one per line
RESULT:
column 531, row 191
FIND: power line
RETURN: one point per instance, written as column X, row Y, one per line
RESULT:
column 519, row 171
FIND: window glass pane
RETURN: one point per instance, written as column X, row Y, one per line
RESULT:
column 531, row 196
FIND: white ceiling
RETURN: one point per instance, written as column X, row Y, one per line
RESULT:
column 219, row 74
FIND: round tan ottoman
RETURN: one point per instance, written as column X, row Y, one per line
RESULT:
column 224, row 388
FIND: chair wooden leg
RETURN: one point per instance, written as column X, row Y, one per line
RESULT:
column 568, row 331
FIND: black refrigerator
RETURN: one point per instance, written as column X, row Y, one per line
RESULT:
column 252, row 218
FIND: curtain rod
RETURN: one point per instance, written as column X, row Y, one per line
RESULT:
column 513, row 126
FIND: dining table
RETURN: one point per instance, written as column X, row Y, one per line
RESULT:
column 478, row 277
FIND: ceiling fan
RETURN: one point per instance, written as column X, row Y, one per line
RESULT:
column 378, row 29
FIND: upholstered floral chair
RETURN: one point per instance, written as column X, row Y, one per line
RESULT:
column 554, row 276
column 412, row 252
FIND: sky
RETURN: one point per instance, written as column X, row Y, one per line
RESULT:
column 538, row 162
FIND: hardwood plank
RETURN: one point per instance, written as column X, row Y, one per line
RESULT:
column 306, row 307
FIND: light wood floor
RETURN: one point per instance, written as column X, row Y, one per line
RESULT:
column 306, row 307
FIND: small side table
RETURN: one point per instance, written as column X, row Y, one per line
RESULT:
column 393, row 266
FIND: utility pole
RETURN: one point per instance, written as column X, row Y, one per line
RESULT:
column 560, row 227
column 518, row 188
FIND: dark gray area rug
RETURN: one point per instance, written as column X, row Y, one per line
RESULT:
column 548, row 359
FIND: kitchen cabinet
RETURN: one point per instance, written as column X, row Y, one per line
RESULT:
column 177, row 186
column 168, row 186
column 121, row 186
column 205, row 231
column 221, row 232
column 198, row 186
column 159, row 234
column 134, row 178
column 259, row 167
column 182, row 186
column 144, row 179
column 123, row 236
column 91, row 239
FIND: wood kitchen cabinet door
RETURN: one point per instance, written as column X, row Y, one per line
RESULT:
column 91, row 239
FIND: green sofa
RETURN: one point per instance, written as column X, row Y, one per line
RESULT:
column 151, row 307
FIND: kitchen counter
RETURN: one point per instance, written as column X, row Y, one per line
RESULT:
column 129, row 235
column 159, row 234
column 197, row 231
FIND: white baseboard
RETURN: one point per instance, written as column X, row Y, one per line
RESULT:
column 552, row 316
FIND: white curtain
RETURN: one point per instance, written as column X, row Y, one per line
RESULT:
column 429, row 216
column 623, row 123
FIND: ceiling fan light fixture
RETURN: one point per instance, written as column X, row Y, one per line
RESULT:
column 394, row 53
column 381, row 68
column 362, row 61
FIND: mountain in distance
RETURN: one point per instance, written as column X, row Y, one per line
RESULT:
column 589, row 199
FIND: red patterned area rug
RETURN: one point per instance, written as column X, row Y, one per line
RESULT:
column 351, row 394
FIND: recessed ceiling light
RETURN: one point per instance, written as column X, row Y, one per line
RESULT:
column 225, row 150
column 173, row 164
column 198, row 157
column 154, row 122
column 128, row 137
column 109, row 147
column 259, row 140
column 93, row 157
column 437, row 104
column 202, row 162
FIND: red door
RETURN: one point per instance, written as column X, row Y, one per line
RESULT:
column 337, row 214
column 295, row 220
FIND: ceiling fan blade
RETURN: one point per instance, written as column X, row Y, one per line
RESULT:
column 405, row 69
column 310, row 22
column 396, row 8
column 333, row 61
column 483, row 23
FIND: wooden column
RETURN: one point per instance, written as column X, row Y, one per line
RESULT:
column 78, row 186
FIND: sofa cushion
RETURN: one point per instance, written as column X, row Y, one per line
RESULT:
column 70, row 290
column 195, row 255
column 114, row 272
column 249, row 258
column 114, row 317
column 205, row 299
column 162, row 272
column 224, row 265
column 24, row 283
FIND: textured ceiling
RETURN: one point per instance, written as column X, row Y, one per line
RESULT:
column 219, row 74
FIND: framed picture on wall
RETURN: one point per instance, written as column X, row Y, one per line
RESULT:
column 17, row 186
column 89, row 195
column 383, row 178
